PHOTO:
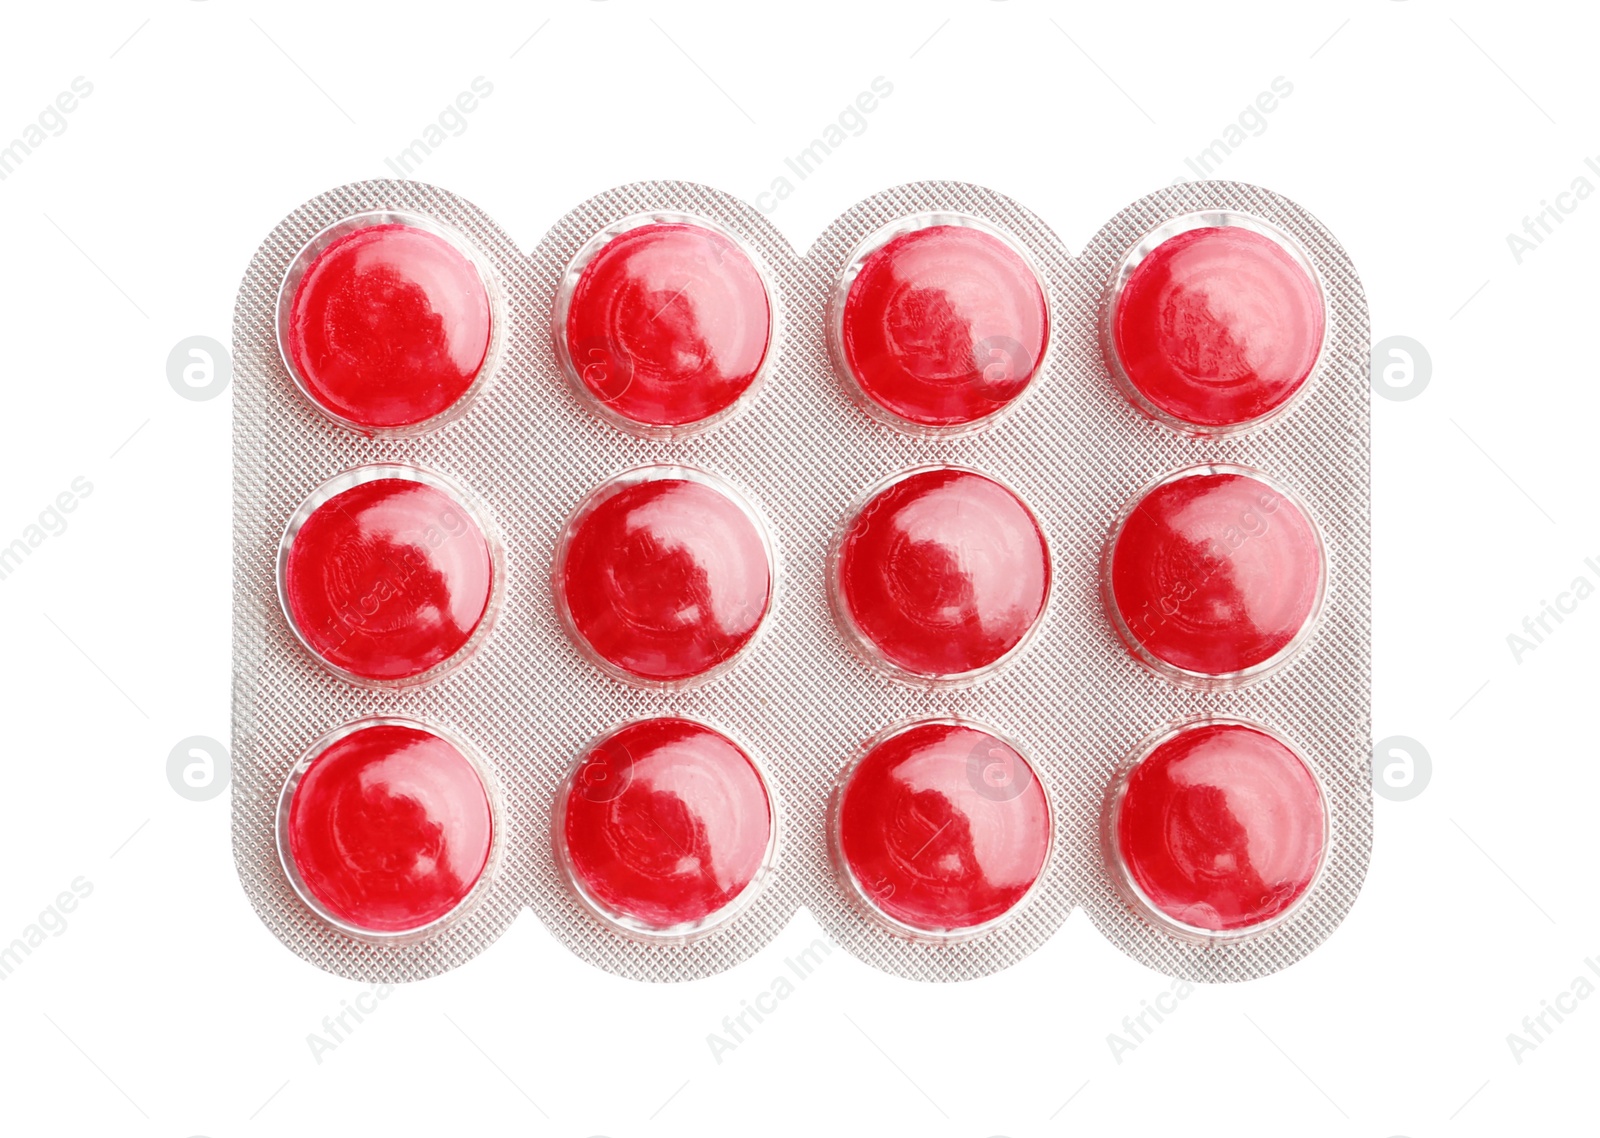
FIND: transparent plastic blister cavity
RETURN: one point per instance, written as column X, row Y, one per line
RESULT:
column 666, row 829
column 940, row 829
column 390, row 322
column 665, row 576
column 718, row 796
column 1216, row 829
column 939, row 576
column 1214, row 322
column 389, row 829
column 1214, row 575
column 938, row 324
column 666, row 324
column 390, row 575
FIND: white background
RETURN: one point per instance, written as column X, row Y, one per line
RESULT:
column 1421, row 133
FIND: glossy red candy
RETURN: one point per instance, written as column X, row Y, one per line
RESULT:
column 663, row 576
column 388, row 829
column 1217, row 327
column 389, row 327
column 1220, row 828
column 668, row 325
column 1216, row 573
column 941, row 575
column 942, row 827
column 664, row 825
column 943, row 327
column 388, row 580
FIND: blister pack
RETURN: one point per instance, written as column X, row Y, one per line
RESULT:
column 663, row 581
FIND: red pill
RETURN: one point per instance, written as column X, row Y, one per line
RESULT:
column 668, row 325
column 664, row 827
column 942, row 828
column 940, row 576
column 664, row 576
column 1215, row 575
column 1220, row 828
column 388, row 576
column 386, row 828
column 942, row 328
column 1216, row 328
column 389, row 328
